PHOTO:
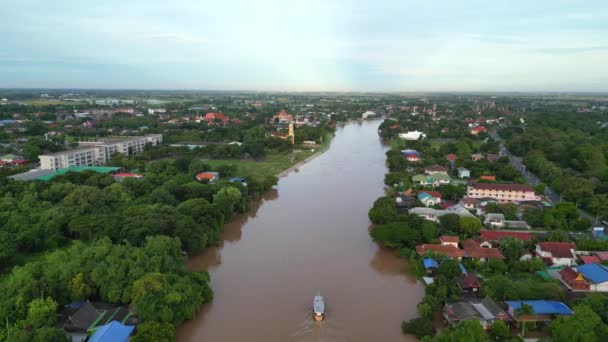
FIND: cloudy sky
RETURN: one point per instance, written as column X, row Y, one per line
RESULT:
column 308, row 45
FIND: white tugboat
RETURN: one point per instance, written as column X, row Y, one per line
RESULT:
column 318, row 308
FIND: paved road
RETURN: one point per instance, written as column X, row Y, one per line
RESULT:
column 531, row 178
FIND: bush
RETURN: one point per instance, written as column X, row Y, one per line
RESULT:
column 419, row 327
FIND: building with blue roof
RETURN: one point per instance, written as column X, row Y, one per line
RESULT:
column 596, row 275
column 544, row 310
column 429, row 263
column 112, row 332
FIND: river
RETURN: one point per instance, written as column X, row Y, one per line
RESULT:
column 310, row 234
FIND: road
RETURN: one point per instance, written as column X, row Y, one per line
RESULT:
column 531, row 178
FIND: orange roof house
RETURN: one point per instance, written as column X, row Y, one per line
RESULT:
column 451, row 157
column 478, row 130
column 207, row 176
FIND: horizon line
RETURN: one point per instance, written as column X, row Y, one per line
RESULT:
column 318, row 91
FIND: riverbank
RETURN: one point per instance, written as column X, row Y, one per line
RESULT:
column 323, row 148
column 276, row 164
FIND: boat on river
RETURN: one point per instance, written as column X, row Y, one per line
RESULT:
column 318, row 308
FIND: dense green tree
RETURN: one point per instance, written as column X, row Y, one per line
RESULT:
column 42, row 312
column 49, row 334
column 227, row 199
column 429, row 231
column 584, row 325
column 383, row 211
column 450, row 269
column 419, row 327
column 465, row 331
column 499, row 331
column 511, row 248
column 469, row 225
column 154, row 331
column 450, row 222
column 397, row 235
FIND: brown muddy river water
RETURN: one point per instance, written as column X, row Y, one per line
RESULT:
column 311, row 234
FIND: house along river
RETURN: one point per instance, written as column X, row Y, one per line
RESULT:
column 310, row 234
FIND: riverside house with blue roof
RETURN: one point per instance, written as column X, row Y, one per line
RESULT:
column 543, row 310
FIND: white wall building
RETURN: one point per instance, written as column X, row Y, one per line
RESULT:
column 413, row 135
column 97, row 153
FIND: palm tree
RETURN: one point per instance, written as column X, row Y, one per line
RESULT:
column 524, row 310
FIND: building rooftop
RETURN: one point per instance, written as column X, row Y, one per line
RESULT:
column 100, row 169
column 449, row 239
column 558, row 249
column 595, row 273
column 447, row 250
column 542, row 307
column 429, row 263
column 112, row 332
column 502, row 187
column 496, row 235
column 435, row 168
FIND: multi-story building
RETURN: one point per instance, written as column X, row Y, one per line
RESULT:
column 95, row 153
column 502, row 192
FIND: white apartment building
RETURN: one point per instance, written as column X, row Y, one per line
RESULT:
column 95, row 153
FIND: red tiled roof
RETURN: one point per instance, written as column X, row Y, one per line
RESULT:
column 590, row 259
column 446, row 204
column 568, row 273
column 502, row 187
column 469, row 281
column 447, row 250
column 486, row 253
column 435, row 168
column 470, row 244
column 558, row 249
column 479, row 129
column 603, row 256
column 473, row 250
column 470, row 200
column 450, row 239
column 212, row 116
column 495, row 235
column 451, row 157
column 572, row 278
column 435, row 194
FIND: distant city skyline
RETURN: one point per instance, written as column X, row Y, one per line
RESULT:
column 338, row 45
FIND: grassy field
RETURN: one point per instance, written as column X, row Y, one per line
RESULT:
column 272, row 164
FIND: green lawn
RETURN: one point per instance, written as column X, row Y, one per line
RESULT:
column 273, row 163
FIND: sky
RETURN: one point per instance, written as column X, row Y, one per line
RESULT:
column 308, row 45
